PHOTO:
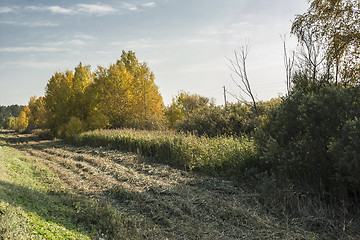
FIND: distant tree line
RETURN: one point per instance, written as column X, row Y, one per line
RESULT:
column 199, row 115
column 8, row 114
column 124, row 95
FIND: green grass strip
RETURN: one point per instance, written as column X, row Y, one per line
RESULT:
column 34, row 205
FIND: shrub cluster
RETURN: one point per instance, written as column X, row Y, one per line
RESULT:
column 235, row 119
column 313, row 138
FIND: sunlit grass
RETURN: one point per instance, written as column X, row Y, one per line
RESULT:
column 27, row 209
column 35, row 205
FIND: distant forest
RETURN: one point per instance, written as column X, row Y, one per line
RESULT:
column 9, row 111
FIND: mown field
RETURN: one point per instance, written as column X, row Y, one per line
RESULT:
column 50, row 189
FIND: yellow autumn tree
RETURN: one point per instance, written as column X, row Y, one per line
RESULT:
column 22, row 120
column 122, row 95
column 148, row 108
column 37, row 118
column 125, row 95
column 111, row 95
column 78, row 102
column 57, row 98
column 10, row 123
column 65, row 99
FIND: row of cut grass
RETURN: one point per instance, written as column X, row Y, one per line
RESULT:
column 35, row 204
column 25, row 204
column 220, row 156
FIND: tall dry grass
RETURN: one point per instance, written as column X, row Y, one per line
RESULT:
column 220, row 156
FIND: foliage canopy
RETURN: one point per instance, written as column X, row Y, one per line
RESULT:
column 122, row 95
column 335, row 26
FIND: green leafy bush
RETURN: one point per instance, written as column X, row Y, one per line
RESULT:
column 209, row 120
column 345, row 152
column 235, row 119
column 305, row 137
column 74, row 126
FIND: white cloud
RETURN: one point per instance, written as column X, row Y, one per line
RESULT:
column 52, row 9
column 39, row 65
column 34, row 8
column 138, row 44
column 6, row 10
column 31, row 64
column 60, row 10
column 68, row 43
column 218, row 31
column 29, row 24
column 30, row 49
column 77, row 42
column 79, row 8
column 130, row 6
column 84, row 36
column 96, row 9
column 149, row 4
column 227, row 29
column 148, row 43
column 195, row 41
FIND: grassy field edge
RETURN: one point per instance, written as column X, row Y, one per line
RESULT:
column 35, row 204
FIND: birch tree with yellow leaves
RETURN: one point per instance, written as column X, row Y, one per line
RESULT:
column 126, row 95
column 122, row 95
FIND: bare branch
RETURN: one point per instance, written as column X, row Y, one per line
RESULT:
column 238, row 66
column 236, row 97
column 289, row 64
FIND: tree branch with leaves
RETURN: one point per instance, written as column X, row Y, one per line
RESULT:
column 336, row 24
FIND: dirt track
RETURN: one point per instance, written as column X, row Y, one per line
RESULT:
column 161, row 202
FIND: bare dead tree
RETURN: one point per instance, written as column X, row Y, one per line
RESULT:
column 238, row 66
column 289, row 64
column 311, row 56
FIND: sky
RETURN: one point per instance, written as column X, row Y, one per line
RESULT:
column 186, row 43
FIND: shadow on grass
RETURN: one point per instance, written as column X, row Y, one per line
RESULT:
column 56, row 207
column 12, row 137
